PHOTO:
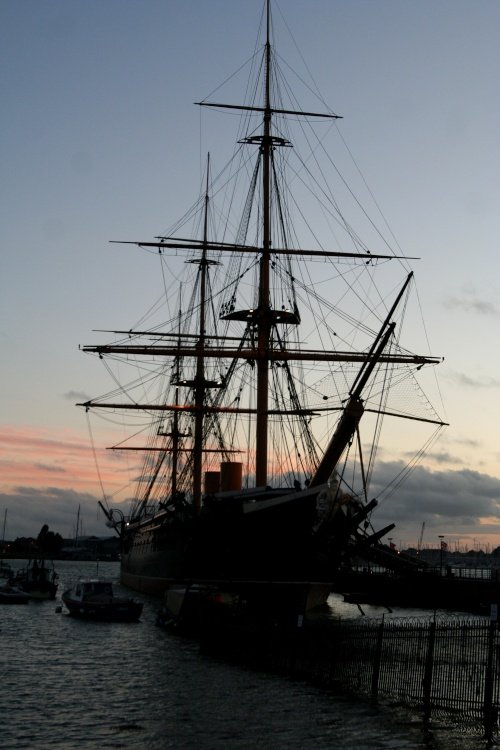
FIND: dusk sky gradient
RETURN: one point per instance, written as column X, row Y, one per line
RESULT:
column 100, row 141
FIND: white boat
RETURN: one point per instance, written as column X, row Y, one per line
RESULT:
column 94, row 599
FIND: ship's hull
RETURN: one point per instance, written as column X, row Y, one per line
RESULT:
column 145, row 584
column 313, row 594
column 153, row 554
column 279, row 542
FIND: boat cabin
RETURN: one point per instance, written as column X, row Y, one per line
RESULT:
column 94, row 590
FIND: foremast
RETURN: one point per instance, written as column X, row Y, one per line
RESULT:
column 200, row 384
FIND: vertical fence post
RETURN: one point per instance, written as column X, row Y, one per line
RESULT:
column 377, row 660
column 488, row 712
column 429, row 665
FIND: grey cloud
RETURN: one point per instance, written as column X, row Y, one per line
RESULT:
column 478, row 306
column 51, row 467
column 448, row 501
column 29, row 508
column 75, row 396
column 464, row 380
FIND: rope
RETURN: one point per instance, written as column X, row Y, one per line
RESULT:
column 92, row 443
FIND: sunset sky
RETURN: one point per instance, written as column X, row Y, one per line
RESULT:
column 100, row 141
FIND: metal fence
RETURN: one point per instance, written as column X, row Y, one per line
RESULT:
column 442, row 666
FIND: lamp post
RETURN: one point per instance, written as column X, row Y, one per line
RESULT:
column 441, row 537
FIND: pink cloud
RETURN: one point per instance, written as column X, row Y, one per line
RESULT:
column 33, row 457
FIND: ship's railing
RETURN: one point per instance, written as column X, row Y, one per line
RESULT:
column 475, row 573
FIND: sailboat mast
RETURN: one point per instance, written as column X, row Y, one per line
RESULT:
column 4, row 527
column 264, row 308
column 77, row 530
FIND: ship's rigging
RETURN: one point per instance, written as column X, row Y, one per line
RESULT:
column 230, row 374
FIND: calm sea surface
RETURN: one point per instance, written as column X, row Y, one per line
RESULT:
column 72, row 684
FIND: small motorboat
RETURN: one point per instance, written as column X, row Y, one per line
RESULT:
column 94, row 599
column 10, row 594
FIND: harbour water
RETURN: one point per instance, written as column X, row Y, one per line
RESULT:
column 69, row 684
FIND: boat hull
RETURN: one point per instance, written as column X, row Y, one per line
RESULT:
column 94, row 599
column 238, row 545
column 116, row 611
column 12, row 595
column 144, row 584
column 103, row 614
column 42, row 594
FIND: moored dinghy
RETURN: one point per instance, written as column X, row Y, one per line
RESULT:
column 94, row 599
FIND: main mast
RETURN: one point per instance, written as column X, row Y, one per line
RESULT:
column 264, row 317
column 264, row 307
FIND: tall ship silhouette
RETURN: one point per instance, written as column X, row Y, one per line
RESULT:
column 263, row 382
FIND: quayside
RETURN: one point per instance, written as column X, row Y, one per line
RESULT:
column 274, row 370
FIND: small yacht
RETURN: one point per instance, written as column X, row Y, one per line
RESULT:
column 94, row 599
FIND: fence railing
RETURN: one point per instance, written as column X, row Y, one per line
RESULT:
column 443, row 665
